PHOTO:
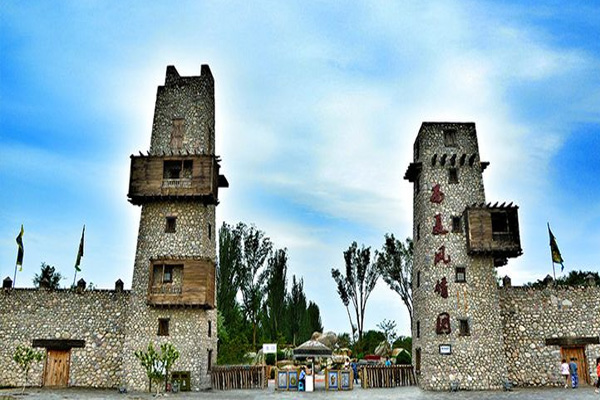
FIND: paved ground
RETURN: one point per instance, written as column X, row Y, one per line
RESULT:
column 409, row 393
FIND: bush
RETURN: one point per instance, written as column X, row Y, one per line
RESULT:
column 403, row 358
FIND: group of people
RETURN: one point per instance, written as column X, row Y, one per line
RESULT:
column 569, row 370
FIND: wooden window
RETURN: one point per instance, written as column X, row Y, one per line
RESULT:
column 177, row 133
column 418, row 278
column 453, row 175
column 177, row 169
column 461, row 274
column 209, row 361
column 418, row 329
column 464, row 329
column 163, row 327
column 450, row 137
column 209, row 328
column 456, row 224
column 171, row 224
column 167, row 274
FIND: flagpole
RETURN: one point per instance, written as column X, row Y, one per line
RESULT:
column 74, row 277
column 15, row 277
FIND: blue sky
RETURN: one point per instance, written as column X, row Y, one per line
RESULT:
column 317, row 105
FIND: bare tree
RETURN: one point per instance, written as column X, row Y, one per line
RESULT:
column 396, row 264
column 358, row 283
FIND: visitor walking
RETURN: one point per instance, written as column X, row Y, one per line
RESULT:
column 564, row 371
column 573, row 373
column 354, row 366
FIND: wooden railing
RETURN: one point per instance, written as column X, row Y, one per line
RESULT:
column 379, row 376
column 229, row 377
column 177, row 183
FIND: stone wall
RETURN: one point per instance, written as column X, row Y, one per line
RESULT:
column 95, row 316
column 530, row 316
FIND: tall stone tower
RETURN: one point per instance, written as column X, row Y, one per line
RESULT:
column 459, row 240
column 176, row 184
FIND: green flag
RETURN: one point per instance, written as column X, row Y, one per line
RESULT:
column 21, row 250
column 556, row 257
column 80, row 252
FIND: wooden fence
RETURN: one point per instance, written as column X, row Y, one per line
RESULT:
column 379, row 376
column 228, row 377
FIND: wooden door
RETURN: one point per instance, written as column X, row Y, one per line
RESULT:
column 582, row 366
column 56, row 370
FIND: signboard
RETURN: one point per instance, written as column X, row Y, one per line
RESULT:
column 445, row 349
column 269, row 348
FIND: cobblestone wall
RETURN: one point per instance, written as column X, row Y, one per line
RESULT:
column 435, row 288
column 188, row 328
column 530, row 316
column 96, row 316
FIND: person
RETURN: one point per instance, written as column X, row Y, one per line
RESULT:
column 388, row 363
column 354, row 366
column 598, row 374
column 302, row 379
column 573, row 373
column 564, row 371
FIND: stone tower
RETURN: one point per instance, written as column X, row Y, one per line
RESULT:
column 459, row 240
column 176, row 184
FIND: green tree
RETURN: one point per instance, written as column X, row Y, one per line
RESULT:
column 24, row 356
column 257, row 248
column 369, row 342
column 296, row 309
column 168, row 355
column 276, row 290
column 314, row 318
column 151, row 362
column 48, row 277
column 396, row 264
column 229, row 270
column 403, row 342
column 358, row 282
column 344, row 340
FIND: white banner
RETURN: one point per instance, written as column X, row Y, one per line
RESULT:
column 269, row 348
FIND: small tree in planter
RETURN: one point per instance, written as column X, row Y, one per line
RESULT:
column 151, row 362
column 24, row 356
column 168, row 356
column 158, row 365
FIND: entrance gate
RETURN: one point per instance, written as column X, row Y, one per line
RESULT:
column 56, row 368
column 58, row 360
column 582, row 366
